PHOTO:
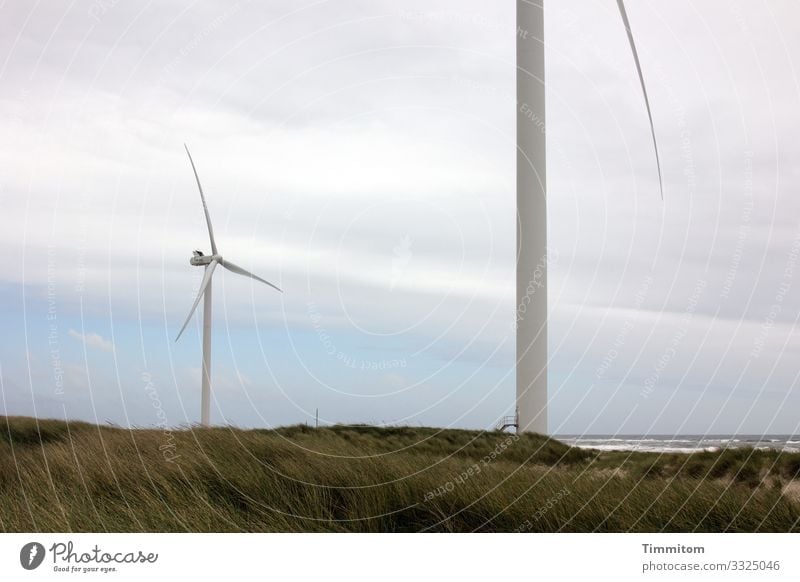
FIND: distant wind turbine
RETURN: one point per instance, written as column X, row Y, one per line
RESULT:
column 210, row 263
column 531, row 314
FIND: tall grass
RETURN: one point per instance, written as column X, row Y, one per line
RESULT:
column 56, row 476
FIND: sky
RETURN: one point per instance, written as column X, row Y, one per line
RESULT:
column 360, row 155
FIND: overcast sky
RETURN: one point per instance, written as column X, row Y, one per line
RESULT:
column 360, row 154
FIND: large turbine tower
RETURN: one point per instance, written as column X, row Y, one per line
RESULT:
column 210, row 263
column 531, row 314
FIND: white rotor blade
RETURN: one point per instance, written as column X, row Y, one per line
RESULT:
column 203, row 198
column 624, row 15
column 239, row 271
column 206, row 280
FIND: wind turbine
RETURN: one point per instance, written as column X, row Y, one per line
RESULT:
column 210, row 263
column 531, row 327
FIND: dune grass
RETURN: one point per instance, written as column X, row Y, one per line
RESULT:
column 61, row 477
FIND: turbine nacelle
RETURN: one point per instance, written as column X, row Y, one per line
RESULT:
column 200, row 260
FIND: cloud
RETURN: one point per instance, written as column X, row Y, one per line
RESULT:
column 93, row 340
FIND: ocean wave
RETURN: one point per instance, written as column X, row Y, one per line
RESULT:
column 651, row 445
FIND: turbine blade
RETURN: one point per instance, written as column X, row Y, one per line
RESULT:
column 239, row 271
column 205, row 207
column 625, row 21
column 206, row 280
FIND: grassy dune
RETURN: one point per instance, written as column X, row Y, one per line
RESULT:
column 80, row 477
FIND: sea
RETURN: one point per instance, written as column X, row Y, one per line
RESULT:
column 682, row 443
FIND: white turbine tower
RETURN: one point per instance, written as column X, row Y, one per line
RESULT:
column 210, row 263
column 532, row 212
